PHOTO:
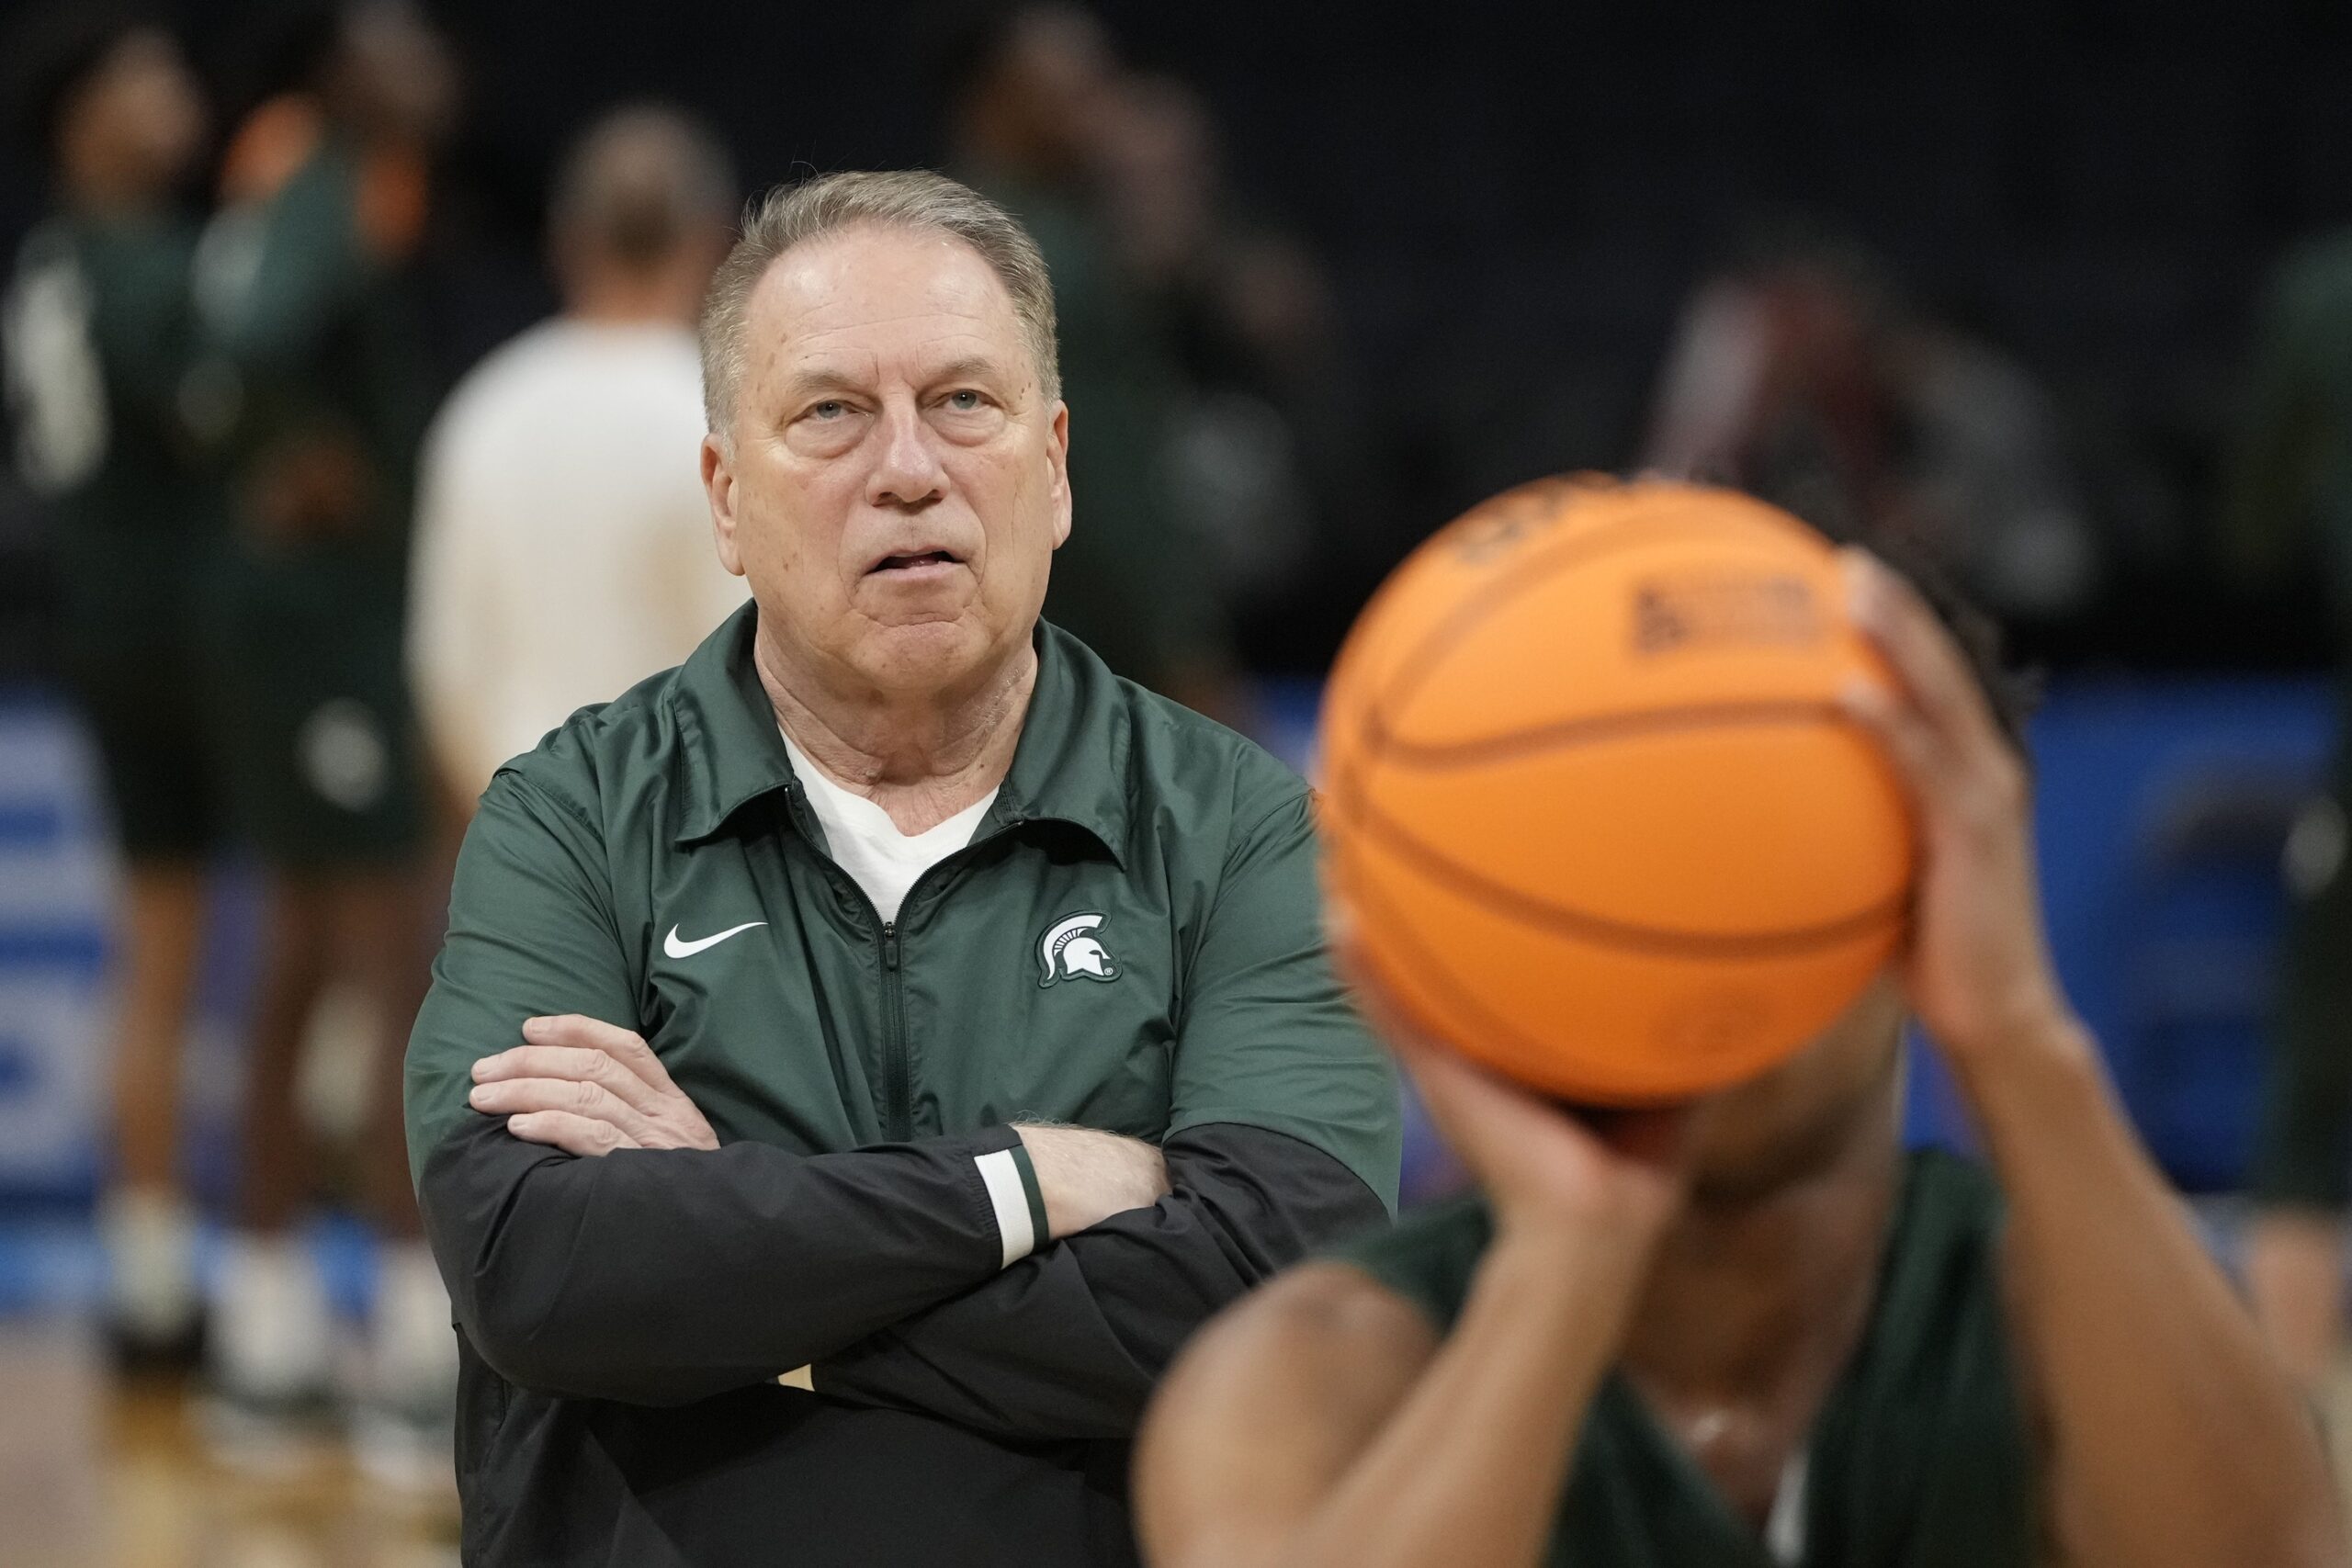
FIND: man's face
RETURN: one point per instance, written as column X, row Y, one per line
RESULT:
column 894, row 487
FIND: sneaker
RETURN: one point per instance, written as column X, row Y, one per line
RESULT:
column 154, row 1312
column 268, row 1404
column 403, row 1426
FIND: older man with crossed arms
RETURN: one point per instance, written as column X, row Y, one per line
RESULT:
column 861, row 1055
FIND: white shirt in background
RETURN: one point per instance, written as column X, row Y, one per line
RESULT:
column 867, row 844
column 563, row 548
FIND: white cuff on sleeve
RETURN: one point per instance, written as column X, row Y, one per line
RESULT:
column 1011, row 1202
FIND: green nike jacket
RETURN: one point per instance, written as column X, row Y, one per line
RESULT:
column 1131, row 942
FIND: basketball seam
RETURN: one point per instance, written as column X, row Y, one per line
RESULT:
column 1602, row 930
column 1431, row 757
column 1433, row 973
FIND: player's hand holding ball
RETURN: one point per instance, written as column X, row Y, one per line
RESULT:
column 1977, row 970
column 1545, row 1167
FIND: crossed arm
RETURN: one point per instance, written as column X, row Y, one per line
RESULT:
column 599, row 1243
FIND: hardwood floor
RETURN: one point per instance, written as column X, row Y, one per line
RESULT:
column 96, row 1477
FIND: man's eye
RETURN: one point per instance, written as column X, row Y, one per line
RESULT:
column 831, row 408
column 964, row 401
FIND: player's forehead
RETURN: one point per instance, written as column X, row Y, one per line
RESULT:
column 872, row 304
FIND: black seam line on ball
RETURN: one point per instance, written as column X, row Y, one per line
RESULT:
column 1601, row 929
column 1390, row 751
column 1434, row 974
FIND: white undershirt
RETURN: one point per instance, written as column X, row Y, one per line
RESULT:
column 867, row 844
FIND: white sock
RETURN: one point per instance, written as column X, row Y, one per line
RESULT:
column 415, row 1351
column 149, row 1234
column 271, row 1323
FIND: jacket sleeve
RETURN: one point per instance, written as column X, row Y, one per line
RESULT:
column 1070, row 1342
column 655, row 1277
column 1284, row 1137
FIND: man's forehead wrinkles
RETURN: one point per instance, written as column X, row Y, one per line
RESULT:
column 813, row 355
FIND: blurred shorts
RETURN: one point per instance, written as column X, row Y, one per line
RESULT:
column 319, row 750
column 134, row 664
column 159, row 757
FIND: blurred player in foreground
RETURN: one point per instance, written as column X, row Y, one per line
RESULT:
column 561, row 550
column 96, row 329
column 1755, row 1331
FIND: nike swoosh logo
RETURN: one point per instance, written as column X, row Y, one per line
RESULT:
column 676, row 949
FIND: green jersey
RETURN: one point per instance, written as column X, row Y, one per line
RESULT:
column 1919, row 1458
column 97, row 330
column 304, row 312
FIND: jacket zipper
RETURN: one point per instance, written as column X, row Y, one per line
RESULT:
column 897, row 1100
column 898, row 1094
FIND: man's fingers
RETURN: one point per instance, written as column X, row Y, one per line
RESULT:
column 588, row 1101
column 622, row 1046
column 1924, row 655
column 576, row 1063
column 573, row 1134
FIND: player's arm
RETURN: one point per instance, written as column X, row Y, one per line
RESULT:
column 276, row 267
column 653, row 1277
column 2174, row 1437
column 1284, row 1138
column 1319, row 1422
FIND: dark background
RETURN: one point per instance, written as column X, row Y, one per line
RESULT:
column 1513, row 199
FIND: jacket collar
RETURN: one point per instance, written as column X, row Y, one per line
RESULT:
column 1069, row 765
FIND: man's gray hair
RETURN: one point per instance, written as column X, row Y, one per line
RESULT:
column 915, row 199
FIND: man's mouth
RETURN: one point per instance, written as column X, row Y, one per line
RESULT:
column 915, row 562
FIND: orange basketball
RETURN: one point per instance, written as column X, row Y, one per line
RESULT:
column 1590, row 805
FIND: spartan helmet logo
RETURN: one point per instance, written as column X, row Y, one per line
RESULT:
column 1068, row 953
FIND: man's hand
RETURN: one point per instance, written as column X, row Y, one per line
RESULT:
column 1978, row 973
column 587, row 1087
column 1088, row 1175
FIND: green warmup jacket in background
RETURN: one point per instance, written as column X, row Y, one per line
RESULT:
column 1131, row 942
column 107, row 426
column 307, row 312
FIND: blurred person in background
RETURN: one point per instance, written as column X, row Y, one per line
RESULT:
column 1028, row 90
column 2288, row 510
column 301, row 294
column 1799, row 373
column 1259, row 458
column 562, row 535
column 97, row 331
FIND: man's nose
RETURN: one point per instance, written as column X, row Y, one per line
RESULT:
column 908, row 472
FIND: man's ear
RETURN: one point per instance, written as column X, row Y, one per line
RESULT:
column 718, row 484
column 1057, row 464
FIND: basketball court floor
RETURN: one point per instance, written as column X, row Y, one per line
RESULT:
column 92, row 1476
